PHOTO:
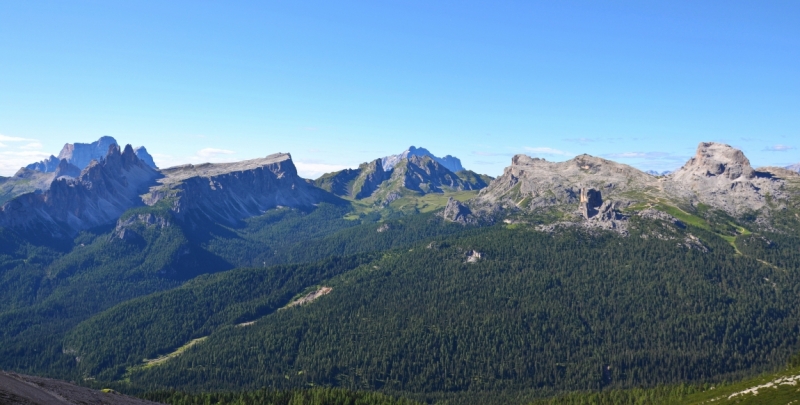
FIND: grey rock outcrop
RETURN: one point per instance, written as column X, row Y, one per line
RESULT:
column 795, row 167
column 126, row 228
column 456, row 211
column 100, row 194
column 533, row 183
column 230, row 192
column 590, row 202
column 721, row 176
column 452, row 163
column 657, row 215
column 18, row 389
column 141, row 153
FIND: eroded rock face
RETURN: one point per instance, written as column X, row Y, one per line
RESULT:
column 590, row 202
column 230, row 192
column 533, row 183
column 718, row 175
column 125, row 227
column 721, row 176
column 100, row 194
column 456, row 211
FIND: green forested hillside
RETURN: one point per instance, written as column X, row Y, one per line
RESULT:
column 49, row 288
column 565, row 311
column 313, row 396
column 415, row 306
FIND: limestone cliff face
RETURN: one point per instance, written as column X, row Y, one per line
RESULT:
column 81, row 154
column 531, row 183
column 721, row 176
column 230, row 192
column 100, row 194
column 718, row 175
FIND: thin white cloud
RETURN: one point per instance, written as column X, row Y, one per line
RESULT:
column 312, row 170
column 624, row 155
column 778, row 148
column 645, row 155
column 2, row 145
column 542, row 150
column 12, row 161
column 32, row 145
column 213, row 152
column 6, row 138
column 484, row 153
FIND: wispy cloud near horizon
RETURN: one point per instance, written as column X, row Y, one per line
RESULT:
column 645, row 156
column 778, row 148
column 543, row 150
column 213, row 152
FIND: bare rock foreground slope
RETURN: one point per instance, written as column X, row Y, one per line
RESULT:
column 17, row 389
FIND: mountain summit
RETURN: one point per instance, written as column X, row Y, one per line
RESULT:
column 452, row 163
column 81, row 154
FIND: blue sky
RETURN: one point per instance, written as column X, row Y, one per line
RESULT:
column 339, row 83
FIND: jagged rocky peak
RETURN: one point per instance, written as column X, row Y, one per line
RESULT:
column 98, row 196
column 141, row 153
column 81, row 154
column 716, row 159
column 371, row 176
column 356, row 183
column 66, row 169
column 426, row 175
column 45, row 166
column 452, row 163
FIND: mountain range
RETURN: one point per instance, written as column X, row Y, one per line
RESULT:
column 555, row 279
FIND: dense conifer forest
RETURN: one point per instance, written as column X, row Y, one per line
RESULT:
column 415, row 307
